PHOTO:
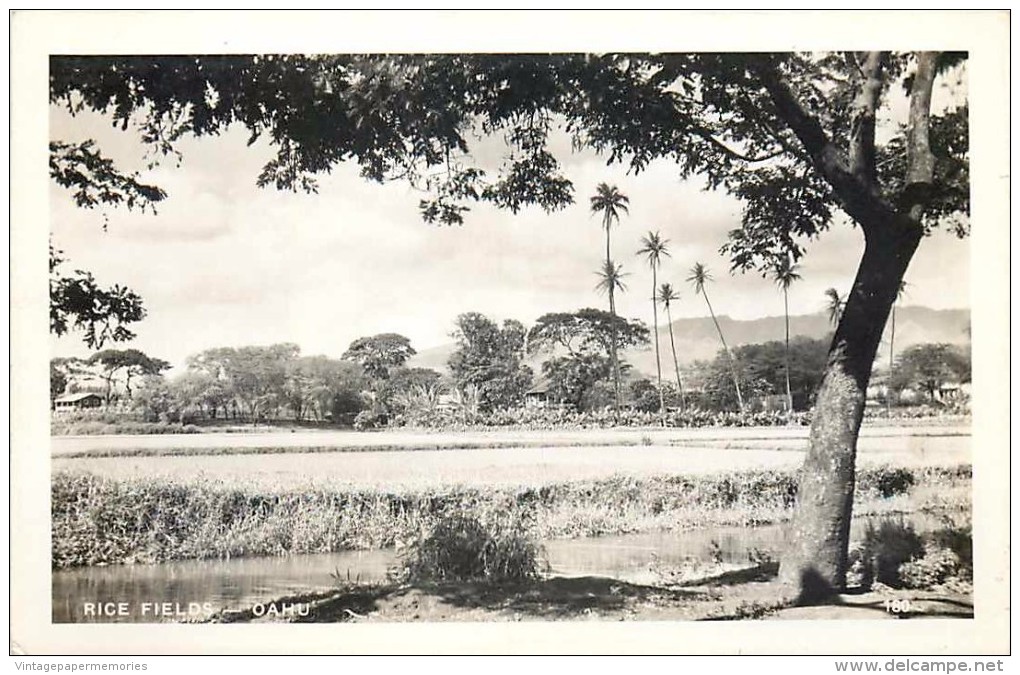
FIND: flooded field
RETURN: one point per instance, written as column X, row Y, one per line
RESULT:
column 771, row 437
column 503, row 466
column 652, row 453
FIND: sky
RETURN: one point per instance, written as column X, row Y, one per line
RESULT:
column 225, row 263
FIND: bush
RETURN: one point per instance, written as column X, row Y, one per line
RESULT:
column 935, row 567
column 894, row 481
column 896, row 556
column 369, row 419
column 885, row 548
column 461, row 547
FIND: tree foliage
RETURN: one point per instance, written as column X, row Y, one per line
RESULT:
column 257, row 383
column 77, row 302
column 740, row 120
column 929, row 367
column 586, row 331
column 488, row 357
column 132, row 362
column 586, row 336
column 763, row 372
column 402, row 381
column 378, row 354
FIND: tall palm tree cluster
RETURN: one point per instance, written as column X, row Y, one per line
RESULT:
column 610, row 203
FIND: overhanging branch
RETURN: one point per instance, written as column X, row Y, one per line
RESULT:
column 857, row 198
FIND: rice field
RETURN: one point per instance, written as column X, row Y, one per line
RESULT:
column 270, row 500
column 405, row 470
column 877, row 437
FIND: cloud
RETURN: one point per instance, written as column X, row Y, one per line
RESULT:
column 226, row 263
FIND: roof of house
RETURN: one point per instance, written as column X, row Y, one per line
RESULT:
column 71, row 398
column 540, row 387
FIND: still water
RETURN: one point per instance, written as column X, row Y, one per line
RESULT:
column 193, row 589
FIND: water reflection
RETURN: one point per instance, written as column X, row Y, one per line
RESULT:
column 195, row 588
column 191, row 590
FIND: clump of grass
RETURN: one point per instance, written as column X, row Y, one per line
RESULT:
column 460, row 546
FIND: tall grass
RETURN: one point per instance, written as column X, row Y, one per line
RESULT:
column 496, row 544
column 101, row 520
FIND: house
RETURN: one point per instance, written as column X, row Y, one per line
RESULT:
column 79, row 401
column 538, row 395
column 447, row 402
column 770, row 403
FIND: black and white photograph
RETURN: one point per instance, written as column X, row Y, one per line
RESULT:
column 525, row 335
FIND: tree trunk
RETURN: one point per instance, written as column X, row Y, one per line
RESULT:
column 658, row 361
column 612, row 346
column 729, row 355
column 612, row 351
column 892, row 351
column 676, row 364
column 816, row 559
column 786, row 313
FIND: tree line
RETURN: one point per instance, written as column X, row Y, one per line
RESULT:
column 488, row 370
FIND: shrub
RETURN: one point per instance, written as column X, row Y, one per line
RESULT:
column 895, row 555
column 885, row 548
column 369, row 419
column 957, row 539
column 894, row 481
column 935, row 567
column 461, row 547
column 948, row 556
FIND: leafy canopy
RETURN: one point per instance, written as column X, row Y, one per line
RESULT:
column 379, row 354
column 789, row 133
column 585, row 332
column 78, row 302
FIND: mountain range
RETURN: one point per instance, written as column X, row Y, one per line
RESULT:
column 696, row 338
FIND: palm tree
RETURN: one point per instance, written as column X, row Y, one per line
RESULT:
column 835, row 305
column 892, row 338
column 610, row 202
column 784, row 274
column 653, row 247
column 667, row 296
column 700, row 278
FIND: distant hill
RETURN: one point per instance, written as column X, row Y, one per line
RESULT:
column 696, row 339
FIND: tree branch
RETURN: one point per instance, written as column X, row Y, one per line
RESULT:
column 708, row 136
column 857, row 198
column 862, row 119
column 920, row 161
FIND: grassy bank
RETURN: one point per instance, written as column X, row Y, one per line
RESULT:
column 102, row 520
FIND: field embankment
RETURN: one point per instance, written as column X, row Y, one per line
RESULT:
column 104, row 520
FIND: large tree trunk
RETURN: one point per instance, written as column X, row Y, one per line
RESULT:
column 818, row 538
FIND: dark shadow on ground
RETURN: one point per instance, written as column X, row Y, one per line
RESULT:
column 550, row 599
column 562, row 597
column 759, row 573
